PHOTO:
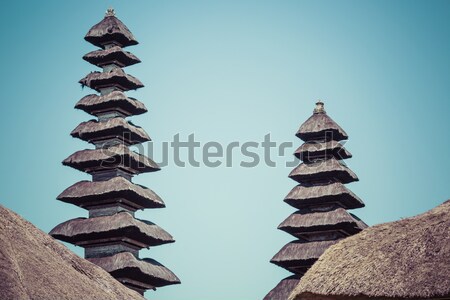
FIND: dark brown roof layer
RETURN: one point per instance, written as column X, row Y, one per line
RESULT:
column 116, row 77
column 120, row 225
column 304, row 195
column 114, row 55
column 300, row 254
column 35, row 266
column 320, row 127
column 125, row 265
column 88, row 193
column 120, row 128
column 283, row 288
column 310, row 150
column 328, row 169
column 108, row 30
column 116, row 100
column 118, row 156
column 403, row 259
column 312, row 221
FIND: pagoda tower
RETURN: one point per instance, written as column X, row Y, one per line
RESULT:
column 321, row 198
column 111, row 236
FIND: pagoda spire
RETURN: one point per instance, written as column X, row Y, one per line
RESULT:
column 111, row 235
column 321, row 198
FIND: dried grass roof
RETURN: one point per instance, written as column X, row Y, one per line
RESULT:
column 319, row 126
column 283, row 289
column 323, row 170
column 87, row 193
column 35, row 266
column 121, row 224
column 108, row 30
column 92, row 104
column 115, row 77
column 403, row 259
column 321, row 149
column 113, row 55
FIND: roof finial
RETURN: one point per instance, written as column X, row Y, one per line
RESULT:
column 110, row 12
column 319, row 108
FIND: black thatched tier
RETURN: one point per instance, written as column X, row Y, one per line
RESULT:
column 283, row 289
column 110, row 30
column 120, row 227
column 325, row 170
column 115, row 77
column 94, row 131
column 114, row 101
column 310, row 151
column 321, row 127
column 117, row 190
column 116, row 157
column 114, row 55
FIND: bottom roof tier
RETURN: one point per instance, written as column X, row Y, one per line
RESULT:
column 283, row 288
column 144, row 273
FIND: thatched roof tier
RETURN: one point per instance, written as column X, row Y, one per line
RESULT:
column 306, row 221
column 118, row 189
column 94, row 131
column 114, row 55
column 115, row 157
column 321, row 127
column 306, row 195
column 110, row 30
column 115, row 77
column 283, row 289
column 126, row 265
column 329, row 169
column 406, row 259
column 298, row 256
column 114, row 101
column 313, row 150
column 110, row 229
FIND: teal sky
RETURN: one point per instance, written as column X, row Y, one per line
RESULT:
column 234, row 71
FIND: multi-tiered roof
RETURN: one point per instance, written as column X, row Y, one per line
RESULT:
column 321, row 198
column 112, row 236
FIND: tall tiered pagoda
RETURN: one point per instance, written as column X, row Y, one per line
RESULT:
column 111, row 235
column 321, row 198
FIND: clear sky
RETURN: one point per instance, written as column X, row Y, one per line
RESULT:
column 234, row 71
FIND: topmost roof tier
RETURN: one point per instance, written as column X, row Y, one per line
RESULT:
column 110, row 31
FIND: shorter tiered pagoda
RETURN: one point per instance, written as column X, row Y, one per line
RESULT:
column 111, row 235
column 321, row 198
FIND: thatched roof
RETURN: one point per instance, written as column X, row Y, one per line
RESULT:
column 311, row 150
column 283, row 289
column 116, row 77
column 297, row 256
column 305, row 195
column 35, row 266
column 305, row 221
column 88, row 193
column 93, row 130
column 108, row 30
column 114, row 55
column 116, row 100
column 323, row 170
column 120, row 225
column 320, row 126
column 118, row 156
column 403, row 259
column 146, row 270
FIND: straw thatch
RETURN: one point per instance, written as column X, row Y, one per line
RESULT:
column 116, row 77
column 88, row 193
column 123, row 224
column 320, row 126
column 305, row 195
column 116, row 100
column 93, row 130
column 126, row 265
column 297, row 256
column 312, row 150
column 305, row 221
column 403, row 259
column 35, row 266
column 283, row 289
column 108, row 30
column 323, row 170
column 118, row 156
column 114, row 55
